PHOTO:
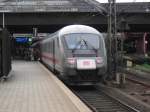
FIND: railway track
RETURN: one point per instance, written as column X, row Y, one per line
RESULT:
column 141, row 87
column 98, row 101
column 138, row 80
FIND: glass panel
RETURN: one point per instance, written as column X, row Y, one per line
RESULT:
column 82, row 41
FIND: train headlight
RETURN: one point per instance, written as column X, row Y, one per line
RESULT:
column 99, row 60
column 71, row 60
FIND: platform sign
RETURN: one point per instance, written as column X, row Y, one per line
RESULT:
column 83, row 64
column 23, row 38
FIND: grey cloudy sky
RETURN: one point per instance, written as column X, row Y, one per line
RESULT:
column 104, row 1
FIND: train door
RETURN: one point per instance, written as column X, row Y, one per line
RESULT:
column 54, row 57
column 57, row 55
column 0, row 55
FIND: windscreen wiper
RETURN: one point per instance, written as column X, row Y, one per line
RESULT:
column 89, row 44
column 85, row 43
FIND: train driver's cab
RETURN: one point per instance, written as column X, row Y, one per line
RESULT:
column 85, row 47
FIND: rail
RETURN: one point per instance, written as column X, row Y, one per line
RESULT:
column 99, row 101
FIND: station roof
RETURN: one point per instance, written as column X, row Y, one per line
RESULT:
column 132, row 7
column 69, row 6
column 46, row 5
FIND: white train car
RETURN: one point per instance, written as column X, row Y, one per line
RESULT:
column 77, row 52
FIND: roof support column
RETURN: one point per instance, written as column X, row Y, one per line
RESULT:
column 3, row 20
column 144, row 43
column 112, row 31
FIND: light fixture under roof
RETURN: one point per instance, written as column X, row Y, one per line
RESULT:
column 147, row 9
column 5, row 10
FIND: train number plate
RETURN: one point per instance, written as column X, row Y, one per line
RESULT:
column 86, row 64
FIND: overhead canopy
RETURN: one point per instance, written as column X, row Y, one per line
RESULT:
column 47, row 5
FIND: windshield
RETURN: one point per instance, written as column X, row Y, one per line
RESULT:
column 82, row 41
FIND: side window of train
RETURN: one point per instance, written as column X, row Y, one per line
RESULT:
column 46, row 47
column 51, row 46
column 58, row 42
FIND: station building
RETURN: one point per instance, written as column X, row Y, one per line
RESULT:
column 49, row 16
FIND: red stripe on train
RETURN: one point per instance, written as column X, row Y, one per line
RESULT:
column 50, row 57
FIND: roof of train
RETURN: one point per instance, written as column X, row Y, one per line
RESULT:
column 78, row 29
column 70, row 29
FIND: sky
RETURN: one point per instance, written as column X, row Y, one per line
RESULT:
column 104, row 1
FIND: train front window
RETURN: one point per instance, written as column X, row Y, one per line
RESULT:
column 82, row 41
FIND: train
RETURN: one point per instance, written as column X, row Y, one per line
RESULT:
column 77, row 53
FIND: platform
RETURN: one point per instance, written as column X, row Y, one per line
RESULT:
column 32, row 88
